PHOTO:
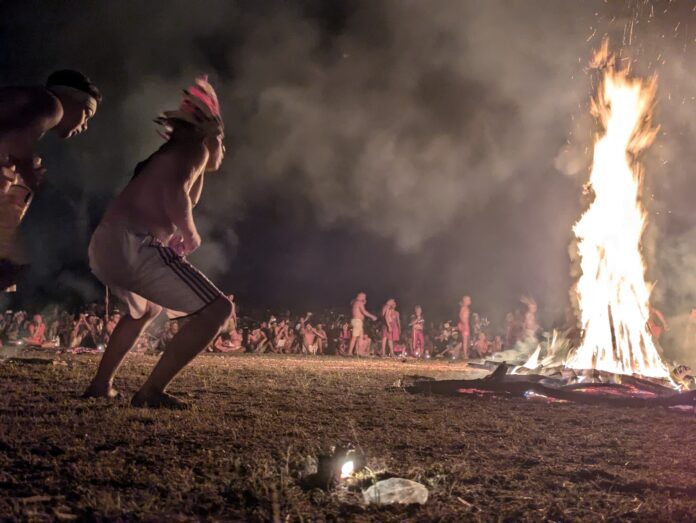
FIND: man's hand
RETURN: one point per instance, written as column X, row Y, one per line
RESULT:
column 8, row 173
column 31, row 170
column 185, row 244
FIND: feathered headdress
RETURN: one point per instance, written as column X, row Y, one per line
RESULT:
column 199, row 107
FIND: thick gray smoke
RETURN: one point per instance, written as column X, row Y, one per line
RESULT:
column 458, row 130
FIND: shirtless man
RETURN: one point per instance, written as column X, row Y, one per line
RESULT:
column 322, row 338
column 463, row 325
column 417, row 324
column 258, row 341
column 391, row 327
column 27, row 113
column 310, row 336
column 530, row 322
column 280, row 336
column 359, row 313
column 139, row 249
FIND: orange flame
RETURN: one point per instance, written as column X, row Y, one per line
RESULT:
column 613, row 295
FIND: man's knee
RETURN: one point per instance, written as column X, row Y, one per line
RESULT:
column 152, row 311
column 221, row 309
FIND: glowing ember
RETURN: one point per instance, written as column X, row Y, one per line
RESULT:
column 613, row 295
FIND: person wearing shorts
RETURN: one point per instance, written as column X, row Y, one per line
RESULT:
column 139, row 249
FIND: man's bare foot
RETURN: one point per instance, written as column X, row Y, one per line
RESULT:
column 158, row 400
column 94, row 391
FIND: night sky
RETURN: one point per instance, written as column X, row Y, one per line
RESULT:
column 421, row 150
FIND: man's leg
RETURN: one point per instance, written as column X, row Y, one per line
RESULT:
column 193, row 337
column 351, row 345
column 122, row 340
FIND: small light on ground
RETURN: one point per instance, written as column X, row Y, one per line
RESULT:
column 347, row 469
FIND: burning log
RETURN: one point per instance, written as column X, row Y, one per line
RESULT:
column 631, row 394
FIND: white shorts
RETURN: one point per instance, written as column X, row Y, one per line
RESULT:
column 357, row 327
column 140, row 269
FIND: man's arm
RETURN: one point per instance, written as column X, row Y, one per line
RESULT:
column 364, row 311
column 24, row 118
column 177, row 202
column 196, row 190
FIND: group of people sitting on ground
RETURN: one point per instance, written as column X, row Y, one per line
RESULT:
column 328, row 332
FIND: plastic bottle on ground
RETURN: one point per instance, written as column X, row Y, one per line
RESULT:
column 396, row 490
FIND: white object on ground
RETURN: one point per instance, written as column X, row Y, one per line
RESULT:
column 396, row 490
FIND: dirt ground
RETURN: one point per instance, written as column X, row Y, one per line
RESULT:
column 239, row 453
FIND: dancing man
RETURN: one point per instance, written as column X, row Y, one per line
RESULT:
column 139, row 249
column 27, row 113
column 359, row 313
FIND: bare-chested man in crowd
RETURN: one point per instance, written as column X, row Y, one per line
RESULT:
column 358, row 315
column 27, row 113
column 310, row 342
column 322, row 338
column 463, row 325
column 417, row 324
column 139, row 249
column 530, row 321
column 391, row 326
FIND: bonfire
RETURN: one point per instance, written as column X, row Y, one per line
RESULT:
column 617, row 358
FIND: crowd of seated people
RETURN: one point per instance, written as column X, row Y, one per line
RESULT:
column 267, row 333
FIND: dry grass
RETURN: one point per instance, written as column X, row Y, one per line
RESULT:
column 238, row 454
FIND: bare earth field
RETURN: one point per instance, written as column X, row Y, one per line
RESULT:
column 239, row 452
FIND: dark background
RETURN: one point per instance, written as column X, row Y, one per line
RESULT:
column 421, row 150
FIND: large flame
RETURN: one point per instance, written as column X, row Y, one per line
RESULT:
column 613, row 295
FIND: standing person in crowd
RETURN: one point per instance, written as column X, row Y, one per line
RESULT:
column 27, row 113
column 531, row 327
column 463, row 325
column 657, row 324
column 417, row 324
column 390, row 327
column 139, row 248
column 357, row 322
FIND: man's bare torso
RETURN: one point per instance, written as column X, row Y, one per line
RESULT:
column 358, row 311
column 141, row 204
